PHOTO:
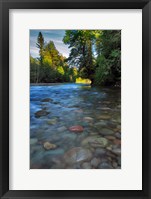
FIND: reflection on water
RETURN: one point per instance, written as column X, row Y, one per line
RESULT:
column 74, row 126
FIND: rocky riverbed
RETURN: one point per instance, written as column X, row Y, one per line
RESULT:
column 74, row 126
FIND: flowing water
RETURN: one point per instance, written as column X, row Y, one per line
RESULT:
column 75, row 126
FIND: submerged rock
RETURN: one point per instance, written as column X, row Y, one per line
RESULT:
column 74, row 166
column 106, row 131
column 47, row 100
column 41, row 113
column 95, row 141
column 49, row 146
column 118, row 119
column 117, row 142
column 88, row 119
column 86, row 165
column 95, row 162
column 110, row 137
column 118, row 135
column 104, row 117
column 117, row 151
column 101, row 123
column 105, row 165
column 76, row 129
column 100, row 152
column 70, row 137
column 61, row 129
column 52, row 121
column 115, row 164
column 58, row 166
column 77, row 154
column 33, row 140
column 105, row 108
column 35, row 148
column 79, row 111
column 54, row 153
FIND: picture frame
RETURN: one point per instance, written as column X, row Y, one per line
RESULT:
column 5, row 5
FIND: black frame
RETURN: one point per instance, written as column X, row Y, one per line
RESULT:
column 5, row 5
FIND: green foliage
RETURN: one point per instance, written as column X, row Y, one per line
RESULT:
column 51, row 55
column 40, row 41
column 102, row 71
column 80, row 80
column 60, row 70
column 80, row 42
column 95, row 56
column 73, row 74
column 96, row 53
column 108, row 68
column 51, row 66
column 34, row 68
column 40, row 45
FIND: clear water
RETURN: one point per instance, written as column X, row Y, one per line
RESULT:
column 96, row 110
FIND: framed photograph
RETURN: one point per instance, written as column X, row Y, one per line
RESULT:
column 75, row 99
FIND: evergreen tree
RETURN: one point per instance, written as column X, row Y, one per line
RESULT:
column 40, row 45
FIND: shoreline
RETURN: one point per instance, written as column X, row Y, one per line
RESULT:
column 55, row 84
column 44, row 84
column 51, row 84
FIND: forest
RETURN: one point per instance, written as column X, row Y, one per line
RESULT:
column 95, row 56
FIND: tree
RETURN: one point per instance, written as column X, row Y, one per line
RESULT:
column 34, row 66
column 94, row 55
column 40, row 45
column 80, row 42
column 108, row 68
column 53, row 66
column 52, row 55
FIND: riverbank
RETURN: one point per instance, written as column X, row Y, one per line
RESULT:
column 45, row 84
column 55, row 84
column 64, row 83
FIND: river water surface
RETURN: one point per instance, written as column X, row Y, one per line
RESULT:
column 75, row 126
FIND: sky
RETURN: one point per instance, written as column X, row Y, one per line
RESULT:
column 54, row 35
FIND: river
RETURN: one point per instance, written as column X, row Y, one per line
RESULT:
column 75, row 126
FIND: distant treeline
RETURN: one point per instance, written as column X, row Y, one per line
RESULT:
column 94, row 55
